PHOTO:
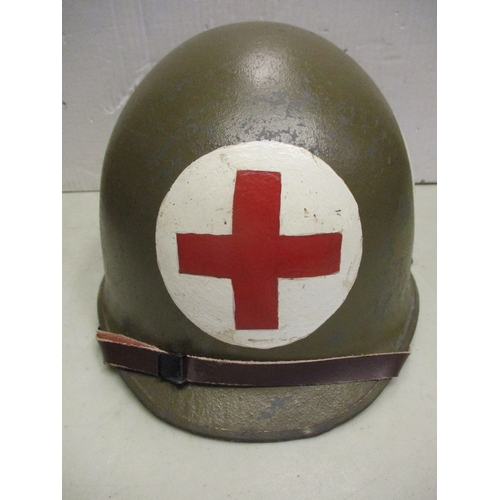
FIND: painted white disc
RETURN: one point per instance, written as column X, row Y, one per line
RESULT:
column 194, row 237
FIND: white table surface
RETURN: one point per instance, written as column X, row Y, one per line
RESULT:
column 113, row 448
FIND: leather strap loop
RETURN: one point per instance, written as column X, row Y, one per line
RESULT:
column 124, row 352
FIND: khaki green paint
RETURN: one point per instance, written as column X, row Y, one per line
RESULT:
column 241, row 83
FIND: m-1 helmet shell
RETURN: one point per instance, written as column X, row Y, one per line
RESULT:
column 252, row 84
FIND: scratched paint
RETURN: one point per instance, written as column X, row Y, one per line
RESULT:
column 314, row 203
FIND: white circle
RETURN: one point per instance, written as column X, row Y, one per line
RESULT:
column 314, row 200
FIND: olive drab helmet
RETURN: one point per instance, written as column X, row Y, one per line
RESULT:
column 257, row 232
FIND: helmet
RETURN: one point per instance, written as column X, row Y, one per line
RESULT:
column 257, row 230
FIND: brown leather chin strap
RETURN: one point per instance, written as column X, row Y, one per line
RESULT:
column 124, row 352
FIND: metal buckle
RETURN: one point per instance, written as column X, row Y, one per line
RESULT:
column 171, row 367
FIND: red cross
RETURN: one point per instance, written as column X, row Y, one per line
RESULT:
column 256, row 255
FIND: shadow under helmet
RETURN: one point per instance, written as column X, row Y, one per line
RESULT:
column 257, row 231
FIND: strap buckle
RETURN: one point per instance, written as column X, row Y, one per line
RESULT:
column 171, row 367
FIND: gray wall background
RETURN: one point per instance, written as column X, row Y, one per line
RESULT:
column 110, row 45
